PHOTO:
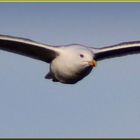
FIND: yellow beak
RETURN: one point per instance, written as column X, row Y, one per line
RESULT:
column 92, row 63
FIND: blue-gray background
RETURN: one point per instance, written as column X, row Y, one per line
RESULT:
column 104, row 104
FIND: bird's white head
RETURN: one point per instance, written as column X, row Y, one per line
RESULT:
column 80, row 56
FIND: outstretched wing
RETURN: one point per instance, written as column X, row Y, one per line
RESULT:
column 121, row 49
column 28, row 48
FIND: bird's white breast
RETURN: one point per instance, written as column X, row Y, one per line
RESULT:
column 63, row 70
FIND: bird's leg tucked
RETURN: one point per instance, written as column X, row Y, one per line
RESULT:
column 50, row 76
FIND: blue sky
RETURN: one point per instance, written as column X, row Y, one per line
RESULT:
column 104, row 104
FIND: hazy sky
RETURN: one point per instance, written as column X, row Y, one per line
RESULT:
column 104, row 104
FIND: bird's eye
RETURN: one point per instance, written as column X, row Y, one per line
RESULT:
column 81, row 55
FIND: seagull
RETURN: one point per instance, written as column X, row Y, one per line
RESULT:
column 68, row 63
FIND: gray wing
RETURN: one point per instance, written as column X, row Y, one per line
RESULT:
column 122, row 49
column 28, row 48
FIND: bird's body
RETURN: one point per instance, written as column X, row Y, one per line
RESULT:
column 66, row 69
column 69, row 63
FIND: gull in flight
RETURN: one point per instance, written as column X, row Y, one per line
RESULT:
column 68, row 63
